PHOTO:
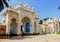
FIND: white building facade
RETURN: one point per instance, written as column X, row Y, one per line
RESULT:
column 50, row 26
column 20, row 19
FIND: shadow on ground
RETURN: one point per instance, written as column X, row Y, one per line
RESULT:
column 21, row 37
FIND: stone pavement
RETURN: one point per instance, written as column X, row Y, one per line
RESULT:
column 40, row 38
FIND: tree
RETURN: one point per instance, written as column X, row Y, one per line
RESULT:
column 45, row 19
column 41, row 22
column 2, row 2
column 59, row 7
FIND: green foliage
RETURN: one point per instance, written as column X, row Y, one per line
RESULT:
column 53, row 32
column 58, row 32
column 45, row 19
column 41, row 22
column 59, row 23
column 59, row 7
column 49, row 32
column 3, row 34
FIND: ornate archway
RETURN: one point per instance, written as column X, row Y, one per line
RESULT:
column 26, row 22
column 13, row 29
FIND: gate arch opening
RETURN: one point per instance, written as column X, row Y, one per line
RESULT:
column 27, row 27
column 13, row 29
column 26, row 22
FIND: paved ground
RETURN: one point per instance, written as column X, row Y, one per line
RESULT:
column 40, row 38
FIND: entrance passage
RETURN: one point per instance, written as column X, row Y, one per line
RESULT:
column 26, row 22
column 13, row 29
column 27, row 27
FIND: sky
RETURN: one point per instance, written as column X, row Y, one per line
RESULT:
column 44, row 8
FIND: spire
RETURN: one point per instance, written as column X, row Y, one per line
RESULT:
column 54, row 18
column 26, row 5
column 49, row 19
column 10, row 6
column 32, row 9
column 36, row 15
column 43, row 21
column 20, row 4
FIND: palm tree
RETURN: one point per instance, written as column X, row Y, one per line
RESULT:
column 2, row 2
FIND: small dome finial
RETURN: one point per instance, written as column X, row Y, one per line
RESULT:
column 26, row 5
column 49, row 19
column 43, row 21
column 20, row 4
column 10, row 6
column 32, row 9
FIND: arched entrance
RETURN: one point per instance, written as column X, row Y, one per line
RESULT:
column 27, row 27
column 26, row 22
column 13, row 29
